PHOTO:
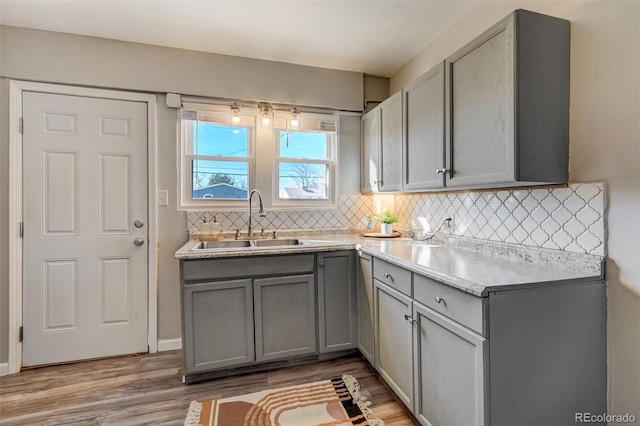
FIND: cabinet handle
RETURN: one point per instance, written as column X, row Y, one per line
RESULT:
column 439, row 299
column 322, row 264
column 388, row 276
column 441, row 171
column 409, row 319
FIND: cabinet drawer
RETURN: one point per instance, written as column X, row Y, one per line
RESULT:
column 461, row 307
column 240, row 267
column 392, row 275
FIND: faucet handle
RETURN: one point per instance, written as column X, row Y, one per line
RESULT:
column 262, row 232
column 237, row 233
column 275, row 234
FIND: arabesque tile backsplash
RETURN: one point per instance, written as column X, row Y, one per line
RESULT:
column 564, row 218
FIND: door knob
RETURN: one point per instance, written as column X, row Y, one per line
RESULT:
column 138, row 223
column 138, row 241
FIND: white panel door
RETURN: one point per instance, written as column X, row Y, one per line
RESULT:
column 85, row 205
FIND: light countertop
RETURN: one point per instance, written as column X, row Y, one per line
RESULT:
column 474, row 266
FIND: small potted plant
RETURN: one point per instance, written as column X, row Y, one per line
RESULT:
column 387, row 219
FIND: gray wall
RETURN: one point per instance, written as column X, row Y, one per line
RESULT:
column 88, row 61
column 604, row 146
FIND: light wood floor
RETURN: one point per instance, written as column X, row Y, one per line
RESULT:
column 147, row 389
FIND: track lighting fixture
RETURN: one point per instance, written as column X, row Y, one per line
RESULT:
column 266, row 111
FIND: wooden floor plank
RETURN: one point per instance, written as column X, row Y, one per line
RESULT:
column 148, row 389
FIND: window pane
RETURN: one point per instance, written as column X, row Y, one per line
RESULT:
column 303, row 144
column 303, row 181
column 220, row 139
column 219, row 179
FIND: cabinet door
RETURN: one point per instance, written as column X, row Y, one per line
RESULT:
column 480, row 110
column 365, row 307
column 423, row 156
column 217, row 312
column 391, row 139
column 394, row 336
column 449, row 371
column 337, row 301
column 285, row 312
column 370, row 151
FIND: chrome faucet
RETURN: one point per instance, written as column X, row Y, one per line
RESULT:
column 261, row 212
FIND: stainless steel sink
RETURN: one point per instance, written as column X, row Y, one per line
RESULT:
column 234, row 244
column 222, row 244
column 277, row 242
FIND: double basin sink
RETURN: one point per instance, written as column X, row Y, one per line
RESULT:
column 237, row 244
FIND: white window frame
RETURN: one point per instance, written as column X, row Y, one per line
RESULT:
column 221, row 115
column 264, row 159
column 308, row 123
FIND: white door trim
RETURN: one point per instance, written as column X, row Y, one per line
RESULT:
column 16, row 88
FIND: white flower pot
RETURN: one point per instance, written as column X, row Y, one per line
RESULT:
column 386, row 228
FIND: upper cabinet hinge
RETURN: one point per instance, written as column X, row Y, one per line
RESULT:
column 21, row 334
column 21, row 230
column 21, row 125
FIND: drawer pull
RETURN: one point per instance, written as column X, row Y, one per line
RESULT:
column 409, row 319
column 388, row 276
column 439, row 299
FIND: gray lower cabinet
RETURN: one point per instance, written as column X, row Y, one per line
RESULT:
column 337, row 326
column 449, row 373
column 525, row 356
column 285, row 316
column 239, row 311
column 206, row 306
column 394, row 340
column 366, row 332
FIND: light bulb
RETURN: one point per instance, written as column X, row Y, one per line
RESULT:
column 235, row 111
column 265, row 112
column 294, row 117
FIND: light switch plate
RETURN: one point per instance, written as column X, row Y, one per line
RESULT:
column 163, row 197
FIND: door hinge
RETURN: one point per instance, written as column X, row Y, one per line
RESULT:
column 21, row 125
column 21, row 229
column 20, row 334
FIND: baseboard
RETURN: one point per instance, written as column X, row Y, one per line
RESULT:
column 169, row 344
column 4, row 369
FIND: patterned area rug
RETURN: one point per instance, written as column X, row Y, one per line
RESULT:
column 334, row 402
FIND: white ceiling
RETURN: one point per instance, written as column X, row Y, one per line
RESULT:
column 376, row 37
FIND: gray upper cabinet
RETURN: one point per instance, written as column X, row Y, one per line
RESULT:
column 391, row 140
column 337, row 301
column 285, row 316
column 507, row 105
column 494, row 114
column 423, row 154
column 370, row 151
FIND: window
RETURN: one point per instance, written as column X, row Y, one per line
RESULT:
column 218, row 157
column 221, row 161
column 305, row 165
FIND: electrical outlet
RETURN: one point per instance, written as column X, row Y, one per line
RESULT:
column 163, row 197
column 449, row 224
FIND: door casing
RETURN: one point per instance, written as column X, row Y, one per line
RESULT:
column 16, row 87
